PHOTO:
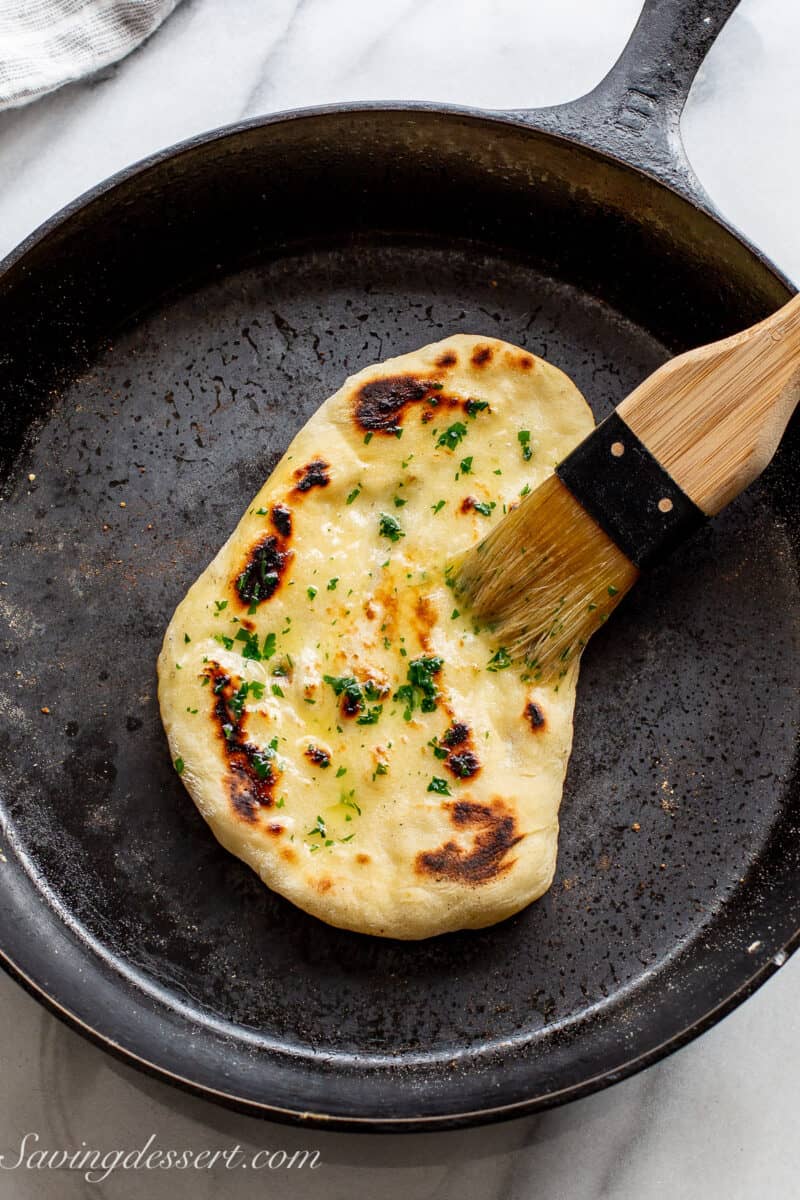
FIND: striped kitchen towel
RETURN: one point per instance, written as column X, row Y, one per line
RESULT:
column 46, row 43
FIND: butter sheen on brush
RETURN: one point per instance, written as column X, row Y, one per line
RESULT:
column 680, row 447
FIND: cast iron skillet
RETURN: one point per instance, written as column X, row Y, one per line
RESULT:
column 160, row 342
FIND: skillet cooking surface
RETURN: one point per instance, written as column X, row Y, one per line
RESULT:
column 685, row 723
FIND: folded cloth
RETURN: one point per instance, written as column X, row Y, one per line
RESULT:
column 46, row 43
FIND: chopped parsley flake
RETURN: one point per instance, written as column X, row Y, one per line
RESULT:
column 612, row 591
column 368, row 438
column 249, row 687
column 356, row 694
column 224, row 641
column 483, row 508
column 440, row 786
column 319, row 829
column 473, row 407
column 261, row 760
column 343, row 683
column 524, row 439
column 356, row 492
column 420, row 691
column 399, row 501
column 220, row 606
column 466, row 465
column 332, row 583
column 347, row 799
column 261, row 512
column 186, row 638
column 526, row 490
column 499, row 661
column 438, row 506
column 455, row 613
column 342, row 771
column 453, row 435
column 390, row 528
column 311, row 592
column 438, row 751
column 277, row 690
column 251, row 648
column 179, row 765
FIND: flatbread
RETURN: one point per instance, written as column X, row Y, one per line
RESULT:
column 342, row 728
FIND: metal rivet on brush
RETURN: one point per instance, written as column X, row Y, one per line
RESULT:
column 665, row 505
column 618, row 449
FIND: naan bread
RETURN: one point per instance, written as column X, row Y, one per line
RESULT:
column 340, row 726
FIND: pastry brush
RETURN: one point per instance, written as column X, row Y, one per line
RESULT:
column 679, row 448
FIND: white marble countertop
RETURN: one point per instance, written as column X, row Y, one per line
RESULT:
column 718, row 1119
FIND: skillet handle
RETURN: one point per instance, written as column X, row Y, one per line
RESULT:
column 634, row 112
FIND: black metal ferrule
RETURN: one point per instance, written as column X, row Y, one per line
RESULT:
column 628, row 493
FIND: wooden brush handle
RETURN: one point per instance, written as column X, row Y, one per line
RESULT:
column 713, row 417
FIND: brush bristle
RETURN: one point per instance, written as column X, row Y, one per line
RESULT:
column 544, row 579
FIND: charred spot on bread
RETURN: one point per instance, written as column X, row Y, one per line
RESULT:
column 263, row 571
column 252, row 773
column 313, row 474
column 464, row 764
column 481, row 355
column 380, row 405
column 448, row 359
column 495, row 835
column 461, row 760
column 318, row 756
column 282, row 520
column 456, row 735
column 535, row 716
column 352, row 704
column 248, row 790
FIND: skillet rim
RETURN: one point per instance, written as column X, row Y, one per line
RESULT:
column 522, row 119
